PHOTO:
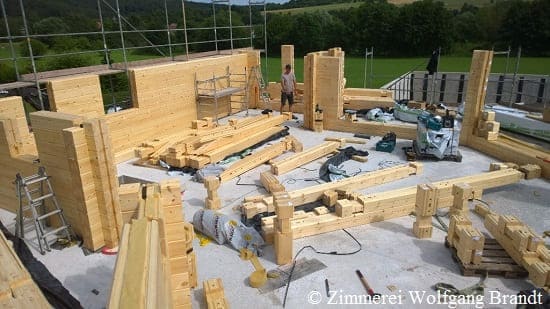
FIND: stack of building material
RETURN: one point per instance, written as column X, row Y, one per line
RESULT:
column 467, row 240
column 425, row 207
column 374, row 207
column 179, row 243
column 214, row 294
column 130, row 199
column 523, row 245
column 159, row 242
column 259, row 204
column 461, row 194
column 487, row 127
column 197, row 148
column 17, row 289
column 362, row 98
column 260, row 157
column 212, row 183
column 270, row 182
column 282, row 226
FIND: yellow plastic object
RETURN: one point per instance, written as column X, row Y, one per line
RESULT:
column 259, row 277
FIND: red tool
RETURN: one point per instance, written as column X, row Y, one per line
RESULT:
column 370, row 291
column 544, row 159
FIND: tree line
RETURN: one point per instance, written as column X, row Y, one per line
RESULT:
column 416, row 29
column 410, row 30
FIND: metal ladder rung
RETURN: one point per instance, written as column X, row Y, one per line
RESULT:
column 57, row 230
column 34, row 179
column 43, row 197
column 55, row 212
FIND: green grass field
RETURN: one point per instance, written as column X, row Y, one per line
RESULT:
column 311, row 9
column 450, row 4
column 384, row 69
column 388, row 69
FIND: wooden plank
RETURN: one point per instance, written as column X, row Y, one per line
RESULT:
column 314, row 193
column 287, row 56
column 134, row 277
column 285, row 165
column 120, row 267
column 394, row 203
column 252, row 139
column 254, row 160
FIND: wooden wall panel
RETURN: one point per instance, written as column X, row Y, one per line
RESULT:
column 164, row 97
column 17, row 149
column 79, row 95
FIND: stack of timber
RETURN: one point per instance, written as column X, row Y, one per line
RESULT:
column 214, row 294
column 197, row 148
column 259, row 204
column 17, row 289
column 523, row 245
column 155, row 266
column 467, row 241
column 288, row 164
column 362, row 98
column 324, row 89
column 130, row 200
column 270, row 182
column 261, row 156
column 212, row 183
column 17, row 149
column 425, row 207
column 385, row 205
column 487, row 127
column 461, row 194
column 282, row 226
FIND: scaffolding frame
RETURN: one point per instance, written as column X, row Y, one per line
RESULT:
column 35, row 81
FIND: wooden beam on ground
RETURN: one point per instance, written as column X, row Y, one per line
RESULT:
column 256, row 159
column 270, row 182
column 392, row 204
column 259, row 204
column 287, row 164
column 523, row 245
column 17, row 289
column 403, row 131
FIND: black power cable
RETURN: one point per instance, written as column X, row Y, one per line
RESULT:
column 318, row 252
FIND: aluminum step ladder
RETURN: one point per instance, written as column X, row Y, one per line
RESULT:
column 33, row 192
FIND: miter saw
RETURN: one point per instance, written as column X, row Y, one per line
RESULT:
column 436, row 138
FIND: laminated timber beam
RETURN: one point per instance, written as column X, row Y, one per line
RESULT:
column 259, row 204
column 391, row 204
column 403, row 131
column 287, row 164
column 256, row 159
column 17, row 288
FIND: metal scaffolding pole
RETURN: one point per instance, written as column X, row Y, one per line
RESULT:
column 168, row 30
column 434, row 76
column 185, row 29
column 26, row 29
column 514, row 77
column 10, row 40
column 367, row 55
column 122, row 38
column 250, row 24
column 230, row 25
column 121, row 18
column 265, row 42
column 215, row 29
column 106, row 51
